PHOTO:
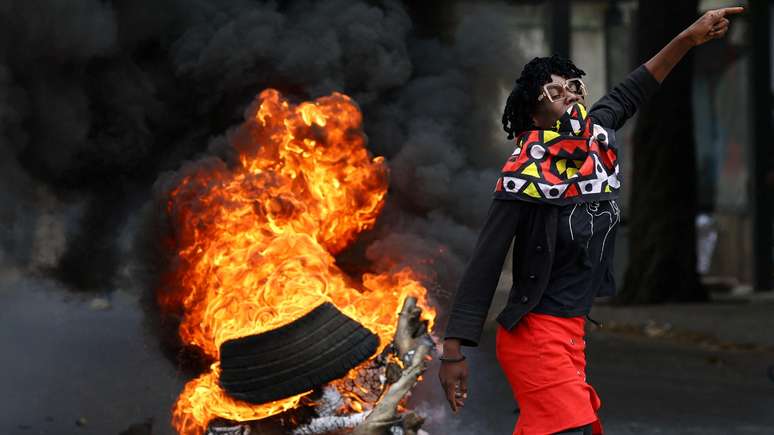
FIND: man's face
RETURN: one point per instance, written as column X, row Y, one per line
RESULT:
column 547, row 112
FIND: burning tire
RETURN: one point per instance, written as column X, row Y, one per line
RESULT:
column 313, row 350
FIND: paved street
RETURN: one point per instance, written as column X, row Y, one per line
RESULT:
column 79, row 367
column 74, row 367
column 647, row 386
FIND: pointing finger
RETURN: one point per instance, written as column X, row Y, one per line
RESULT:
column 731, row 11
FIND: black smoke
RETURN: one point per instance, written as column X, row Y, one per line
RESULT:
column 98, row 99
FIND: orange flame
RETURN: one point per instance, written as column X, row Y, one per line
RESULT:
column 255, row 241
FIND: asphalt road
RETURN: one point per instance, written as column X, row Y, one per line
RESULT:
column 647, row 386
column 73, row 366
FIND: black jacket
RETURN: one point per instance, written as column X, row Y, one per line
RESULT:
column 534, row 227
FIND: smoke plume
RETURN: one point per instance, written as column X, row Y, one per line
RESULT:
column 102, row 101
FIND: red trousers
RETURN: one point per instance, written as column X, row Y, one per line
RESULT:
column 544, row 359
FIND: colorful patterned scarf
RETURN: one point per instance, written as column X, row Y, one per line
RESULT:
column 575, row 162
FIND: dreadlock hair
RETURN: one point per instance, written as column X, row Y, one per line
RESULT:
column 517, row 116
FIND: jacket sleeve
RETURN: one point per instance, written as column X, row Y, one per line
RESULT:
column 620, row 104
column 482, row 273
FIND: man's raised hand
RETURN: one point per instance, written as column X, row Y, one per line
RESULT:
column 712, row 25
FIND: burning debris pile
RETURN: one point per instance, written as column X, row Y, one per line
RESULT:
column 381, row 385
column 254, row 241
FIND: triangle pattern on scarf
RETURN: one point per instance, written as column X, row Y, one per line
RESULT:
column 552, row 190
column 513, row 184
column 532, row 191
column 531, row 170
column 561, row 165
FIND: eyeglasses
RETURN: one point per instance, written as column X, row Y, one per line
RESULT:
column 556, row 91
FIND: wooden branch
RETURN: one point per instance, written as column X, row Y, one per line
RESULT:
column 410, row 329
column 412, row 350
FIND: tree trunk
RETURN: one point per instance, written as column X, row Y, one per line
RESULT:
column 662, row 236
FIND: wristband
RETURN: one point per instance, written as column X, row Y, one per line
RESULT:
column 452, row 360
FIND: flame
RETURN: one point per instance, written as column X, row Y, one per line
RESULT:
column 255, row 240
